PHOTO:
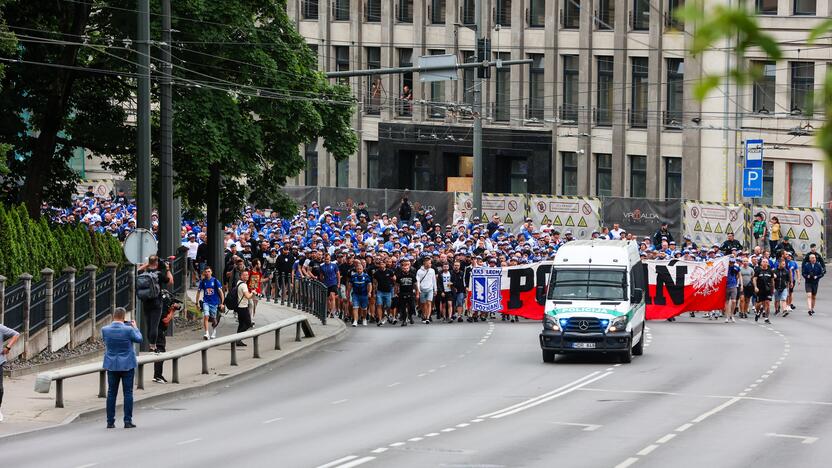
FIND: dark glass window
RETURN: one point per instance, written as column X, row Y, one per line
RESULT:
column 502, row 109
column 342, row 62
column 537, row 13
column 375, row 88
column 309, row 9
column 437, row 12
column 504, row 12
column 671, row 21
column 437, row 93
column 672, row 178
column 805, row 7
column 373, row 11
column 404, row 106
column 766, row 7
column 641, row 15
column 570, row 88
column 311, row 156
column 603, row 113
column 675, row 84
column 405, row 11
column 570, row 15
column 342, row 173
column 764, row 87
column 606, row 14
column 638, row 176
column 519, row 176
column 372, row 164
column 803, row 86
column 569, row 173
column 342, row 10
column 468, row 12
column 603, row 175
column 638, row 109
column 536, row 87
column 768, row 183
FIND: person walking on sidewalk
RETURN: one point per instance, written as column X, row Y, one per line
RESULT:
column 6, row 334
column 152, row 274
column 210, row 291
column 426, row 282
column 244, row 296
column 120, row 364
column 812, row 273
column 763, row 288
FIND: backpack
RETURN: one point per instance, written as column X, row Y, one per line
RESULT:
column 232, row 299
column 147, row 286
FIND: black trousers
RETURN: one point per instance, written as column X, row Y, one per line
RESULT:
column 152, row 314
column 407, row 307
column 243, row 319
column 1, row 383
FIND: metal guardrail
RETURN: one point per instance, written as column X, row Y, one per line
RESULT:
column 43, row 382
column 60, row 302
column 37, row 308
column 13, row 307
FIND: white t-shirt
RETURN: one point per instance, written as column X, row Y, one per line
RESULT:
column 242, row 290
column 192, row 247
column 426, row 279
column 616, row 233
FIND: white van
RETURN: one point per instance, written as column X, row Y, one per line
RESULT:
column 595, row 300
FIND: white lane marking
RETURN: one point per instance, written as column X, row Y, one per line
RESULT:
column 394, row 384
column 460, row 425
column 189, row 441
column 88, row 465
column 758, row 381
column 476, row 420
column 574, row 382
column 443, row 366
column 666, row 438
column 414, row 439
column 353, row 463
column 797, row 402
column 684, row 427
column 627, row 462
column 431, row 371
column 432, row 434
column 338, row 402
column 587, row 427
column 617, row 365
column 647, row 450
column 421, row 375
column 743, row 394
column 380, row 450
column 269, row 421
column 448, row 429
column 339, row 461
column 804, row 439
column 608, row 369
column 552, row 397
column 397, row 444
column 719, row 408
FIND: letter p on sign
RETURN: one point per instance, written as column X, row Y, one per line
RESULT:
column 752, row 183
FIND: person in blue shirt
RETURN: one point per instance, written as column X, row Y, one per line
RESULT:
column 120, row 364
column 332, row 278
column 210, row 290
column 812, row 272
column 794, row 268
column 359, row 288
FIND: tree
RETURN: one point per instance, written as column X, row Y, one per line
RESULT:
column 721, row 22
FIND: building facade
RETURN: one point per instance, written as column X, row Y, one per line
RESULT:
column 606, row 107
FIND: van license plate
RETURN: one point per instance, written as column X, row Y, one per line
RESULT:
column 583, row 345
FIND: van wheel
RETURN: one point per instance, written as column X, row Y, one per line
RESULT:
column 638, row 349
column 627, row 356
column 548, row 356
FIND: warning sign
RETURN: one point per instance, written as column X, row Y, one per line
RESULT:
column 546, row 219
column 569, row 222
column 790, row 234
column 582, row 222
column 582, row 213
column 718, row 229
column 710, row 223
column 508, row 219
column 804, row 225
column 708, row 227
column 557, row 221
column 803, row 235
column 509, row 207
column 698, row 227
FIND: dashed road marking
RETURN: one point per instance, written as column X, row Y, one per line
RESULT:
column 804, row 439
column 716, row 410
column 338, row 461
column 397, row 444
column 461, row 425
column 422, row 374
column 88, row 465
column 354, row 463
column 647, row 450
column 338, row 402
column 665, row 438
column 394, row 384
column 380, row 450
column 415, row 439
column 189, row 441
column 432, row 434
column 627, row 462
column 269, row 421
column 448, row 429
column 684, row 427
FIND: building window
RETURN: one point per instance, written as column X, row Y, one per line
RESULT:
column 468, row 56
column 372, row 164
column 641, row 15
column 468, row 16
column 309, row 9
column 800, row 185
column 805, row 7
column 603, row 113
column 672, row 178
column 606, row 15
column 768, row 183
column 603, row 175
column 638, row 111
column 519, row 176
column 536, row 87
column 638, row 176
column 342, row 62
column 504, row 12
column 569, row 111
column 405, row 11
column 437, row 11
column 404, row 107
column 342, row 10
column 763, row 94
column 570, row 15
column 569, row 173
column 675, row 84
column 437, row 93
column 671, row 21
column 537, row 13
column 803, row 86
column 767, row 7
column 423, row 172
column 375, row 87
column 373, row 11
column 502, row 109
column 311, row 156
column 342, row 173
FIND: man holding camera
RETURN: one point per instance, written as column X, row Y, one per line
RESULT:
column 120, row 364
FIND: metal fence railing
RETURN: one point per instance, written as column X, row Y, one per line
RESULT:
column 83, row 287
column 103, row 290
column 60, row 301
column 13, row 307
column 37, row 308
column 123, row 289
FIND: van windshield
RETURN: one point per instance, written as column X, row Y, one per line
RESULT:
column 588, row 284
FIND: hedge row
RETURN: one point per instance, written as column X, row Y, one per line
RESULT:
column 28, row 245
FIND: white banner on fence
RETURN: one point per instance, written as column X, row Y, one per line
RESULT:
column 709, row 223
column 803, row 226
column 510, row 207
column 581, row 215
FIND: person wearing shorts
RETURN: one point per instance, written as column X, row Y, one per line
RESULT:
column 763, row 287
column 458, row 283
column 332, row 278
column 731, row 290
column 360, row 287
column 426, row 285
column 812, row 272
column 210, row 290
column 383, row 279
column 782, row 284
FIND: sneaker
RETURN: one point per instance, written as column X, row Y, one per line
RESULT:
column 240, row 344
column 733, row 320
column 768, row 321
column 206, row 336
column 411, row 321
column 727, row 320
column 426, row 322
column 214, row 334
column 792, row 306
column 380, row 323
column 459, row 319
column 811, row 313
column 355, row 323
column 365, row 322
column 692, row 315
column 159, row 380
column 404, row 324
column 785, row 314
column 757, row 317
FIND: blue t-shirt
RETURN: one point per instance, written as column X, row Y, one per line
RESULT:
column 330, row 271
column 359, row 282
column 733, row 276
column 210, row 290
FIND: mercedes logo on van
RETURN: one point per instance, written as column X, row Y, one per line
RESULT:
column 583, row 325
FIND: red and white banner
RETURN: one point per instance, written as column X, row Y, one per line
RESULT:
column 674, row 287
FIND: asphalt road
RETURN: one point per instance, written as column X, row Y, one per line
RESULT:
column 705, row 393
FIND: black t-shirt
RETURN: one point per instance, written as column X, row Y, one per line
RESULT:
column 285, row 262
column 764, row 278
column 370, row 269
column 384, row 279
column 406, row 283
column 783, row 278
column 314, row 267
column 346, row 271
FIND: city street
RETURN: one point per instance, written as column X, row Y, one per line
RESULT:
column 705, row 393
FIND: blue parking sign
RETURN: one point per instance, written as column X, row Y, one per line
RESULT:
column 752, row 183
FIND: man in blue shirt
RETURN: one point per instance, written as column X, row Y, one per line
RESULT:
column 794, row 268
column 358, row 289
column 331, row 277
column 120, row 364
column 812, row 273
column 210, row 289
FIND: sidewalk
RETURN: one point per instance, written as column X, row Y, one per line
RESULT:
column 25, row 410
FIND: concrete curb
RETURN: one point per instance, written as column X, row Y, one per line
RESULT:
column 179, row 391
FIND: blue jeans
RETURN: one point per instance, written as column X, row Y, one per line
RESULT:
column 126, row 380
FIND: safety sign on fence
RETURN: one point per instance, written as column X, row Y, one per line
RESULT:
column 803, row 226
column 509, row 207
column 581, row 215
column 709, row 223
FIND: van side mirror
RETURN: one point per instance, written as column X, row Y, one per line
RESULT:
column 637, row 297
